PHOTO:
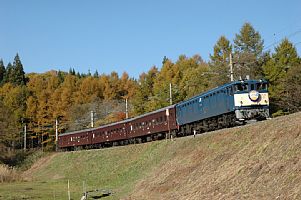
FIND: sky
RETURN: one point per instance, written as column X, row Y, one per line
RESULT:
column 133, row 35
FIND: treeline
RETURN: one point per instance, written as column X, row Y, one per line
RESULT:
column 37, row 100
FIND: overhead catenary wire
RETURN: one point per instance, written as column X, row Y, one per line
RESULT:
column 277, row 42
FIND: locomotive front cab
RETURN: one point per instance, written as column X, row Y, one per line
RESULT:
column 251, row 100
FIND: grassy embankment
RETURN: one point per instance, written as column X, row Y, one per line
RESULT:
column 257, row 161
column 116, row 169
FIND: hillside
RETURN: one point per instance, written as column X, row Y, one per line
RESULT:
column 256, row 161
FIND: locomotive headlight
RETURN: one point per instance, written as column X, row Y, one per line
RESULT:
column 254, row 95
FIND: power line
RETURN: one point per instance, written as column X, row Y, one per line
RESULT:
column 289, row 36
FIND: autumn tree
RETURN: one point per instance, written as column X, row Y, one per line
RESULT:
column 248, row 47
column 144, row 91
column 9, row 129
column 195, row 81
column 160, row 96
column 14, row 97
column 89, row 89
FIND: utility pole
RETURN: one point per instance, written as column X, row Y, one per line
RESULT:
column 25, row 137
column 170, row 94
column 126, row 108
column 92, row 119
column 56, row 134
column 231, row 68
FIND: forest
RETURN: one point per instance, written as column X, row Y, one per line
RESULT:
column 37, row 100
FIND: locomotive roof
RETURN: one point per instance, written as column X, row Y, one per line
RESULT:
column 119, row 122
column 221, row 87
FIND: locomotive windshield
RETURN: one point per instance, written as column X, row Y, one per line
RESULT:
column 262, row 86
column 241, row 87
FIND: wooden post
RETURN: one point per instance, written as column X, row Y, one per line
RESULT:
column 170, row 94
column 56, row 134
column 69, row 190
column 126, row 108
column 25, row 137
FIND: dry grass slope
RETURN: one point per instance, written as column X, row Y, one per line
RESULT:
column 258, row 161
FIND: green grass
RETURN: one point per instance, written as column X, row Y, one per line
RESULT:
column 116, row 169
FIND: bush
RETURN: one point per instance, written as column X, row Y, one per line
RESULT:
column 31, row 159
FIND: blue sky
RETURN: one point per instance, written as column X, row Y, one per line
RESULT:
column 132, row 35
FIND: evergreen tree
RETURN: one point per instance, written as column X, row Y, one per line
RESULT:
column 8, row 77
column 60, row 76
column 96, row 75
column 276, row 72
column 248, row 47
column 72, row 71
column 164, row 60
column 293, row 89
column 219, row 64
column 18, row 72
column 2, row 71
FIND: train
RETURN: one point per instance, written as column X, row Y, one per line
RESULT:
column 231, row 104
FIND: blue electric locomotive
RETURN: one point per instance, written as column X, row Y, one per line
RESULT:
column 224, row 106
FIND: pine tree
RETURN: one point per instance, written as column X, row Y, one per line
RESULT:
column 96, row 75
column 219, row 64
column 19, row 74
column 8, row 77
column 2, row 71
column 293, row 89
column 248, row 47
column 276, row 72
